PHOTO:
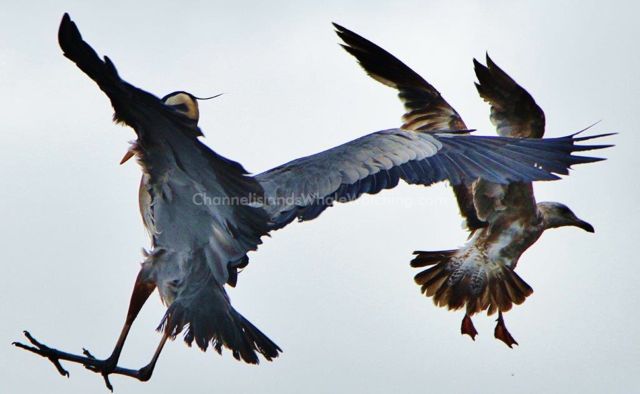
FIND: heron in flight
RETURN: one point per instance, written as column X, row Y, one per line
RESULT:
column 503, row 219
column 197, row 248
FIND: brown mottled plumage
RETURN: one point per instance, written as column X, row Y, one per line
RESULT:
column 504, row 220
column 480, row 276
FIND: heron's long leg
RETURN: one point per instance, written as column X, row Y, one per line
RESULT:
column 146, row 371
column 141, row 292
column 143, row 374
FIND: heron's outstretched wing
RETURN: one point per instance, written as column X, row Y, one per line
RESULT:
column 513, row 111
column 305, row 187
column 427, row 110
column 197, row 197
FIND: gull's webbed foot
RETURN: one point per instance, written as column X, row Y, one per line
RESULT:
column 502, row 333
column 468, row 328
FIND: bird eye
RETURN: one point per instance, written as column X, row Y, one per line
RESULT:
column 180, row 107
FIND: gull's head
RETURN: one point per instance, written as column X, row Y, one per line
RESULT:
column 559, row 215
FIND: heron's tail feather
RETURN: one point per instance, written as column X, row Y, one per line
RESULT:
column 208, row 318
column 455, row 282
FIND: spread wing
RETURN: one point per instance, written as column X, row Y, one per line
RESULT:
column 513, row 111
column 426, row 109
column 191, row 192
column 429, row 112
column 305, row 187
column 515, row 114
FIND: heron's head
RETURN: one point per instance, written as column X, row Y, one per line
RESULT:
column 559, row 215
column 184, row 103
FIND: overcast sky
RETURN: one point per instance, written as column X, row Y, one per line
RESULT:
column 337, row 293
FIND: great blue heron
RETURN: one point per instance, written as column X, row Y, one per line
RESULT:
column 503, row 220
column 197, row 247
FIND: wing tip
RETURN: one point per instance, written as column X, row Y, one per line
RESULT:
column 338, row 27
column 67, row 31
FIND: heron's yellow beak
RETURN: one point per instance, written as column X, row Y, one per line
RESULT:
column 130, row 153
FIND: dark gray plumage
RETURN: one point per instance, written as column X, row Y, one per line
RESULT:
column 304, row 187
column 192, row 243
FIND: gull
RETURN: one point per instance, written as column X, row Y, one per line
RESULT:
column 504, row 220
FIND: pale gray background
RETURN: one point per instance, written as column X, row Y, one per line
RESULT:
column 337, row 293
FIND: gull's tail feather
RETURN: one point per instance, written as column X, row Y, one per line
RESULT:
column 454, row 283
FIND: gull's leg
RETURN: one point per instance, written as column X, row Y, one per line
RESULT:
column 502, row 333
column 468, row 328
column 141, row 292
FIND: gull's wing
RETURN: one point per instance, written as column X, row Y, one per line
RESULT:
column 180, row 167
column 305, row 187
column 515, row 114
column 513, row 111
column 426, row 109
